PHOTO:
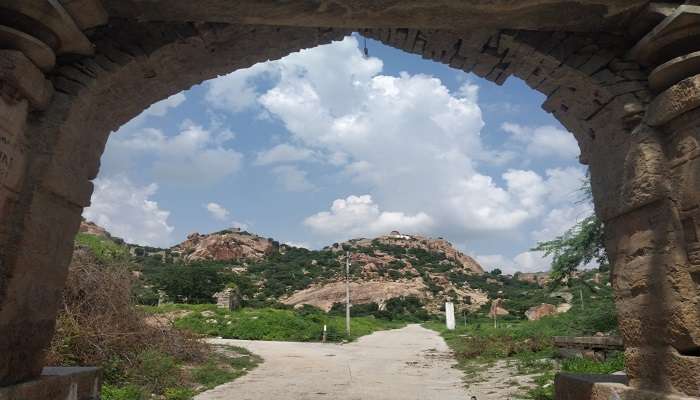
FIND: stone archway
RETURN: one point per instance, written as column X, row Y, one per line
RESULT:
column 636, row 127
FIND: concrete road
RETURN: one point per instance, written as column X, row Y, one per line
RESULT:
column 412, row 363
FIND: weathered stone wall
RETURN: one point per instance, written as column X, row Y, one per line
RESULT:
column 543, row 15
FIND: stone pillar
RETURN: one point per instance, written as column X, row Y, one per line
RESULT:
column 654, row 244
column 37, row 226
column 23, row 88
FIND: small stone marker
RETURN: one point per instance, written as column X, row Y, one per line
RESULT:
column 450, row 315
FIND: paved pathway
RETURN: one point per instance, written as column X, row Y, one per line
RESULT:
column 412, row 363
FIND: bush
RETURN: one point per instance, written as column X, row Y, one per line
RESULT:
column 211, row 374
column 100, row 325
column 194, row 283
column 544, row 389
column 104, row 249
column 179, row 393
column 586, row 366
column 155, row 371
column 128, row 392
column 407, row 309
column 357, row 310
column 305, row 325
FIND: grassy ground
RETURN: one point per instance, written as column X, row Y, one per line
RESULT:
column 529, row 345
column 174, row 380
column 304, row 325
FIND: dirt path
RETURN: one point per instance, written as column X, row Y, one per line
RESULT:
column 412, row 363
column 407, row 364
column 499, row 381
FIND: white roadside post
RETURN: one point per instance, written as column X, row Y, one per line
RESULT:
column 347, row 295
column 450, row 315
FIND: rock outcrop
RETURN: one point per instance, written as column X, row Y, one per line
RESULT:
column 324, row 296
column 543, row 310
column 92, row 228
column 497, row 308
column 539, row 278
column 227, row 245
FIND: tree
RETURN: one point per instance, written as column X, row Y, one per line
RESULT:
column 191, row 283
column 578, row 246
column 496, row 272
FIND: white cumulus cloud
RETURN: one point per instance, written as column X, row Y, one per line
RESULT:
column 412, row 143
column 544, row 141
column 236, row 91
column 127, row 210
column 357, row 216
column 162, row 107
column 292, row 179
column 283, row 153
column 217, row 211
column 528, row 261
column 193, row 156
column 415, row 144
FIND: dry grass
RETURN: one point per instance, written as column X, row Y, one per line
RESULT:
column 100, row 325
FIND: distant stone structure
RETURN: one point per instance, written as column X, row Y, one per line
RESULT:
column 162, row 298
column 228, row 298
column 622, row 75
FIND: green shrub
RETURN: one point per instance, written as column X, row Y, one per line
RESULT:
column 586, row 366
column 211, row 374
column 179, row 393
column 156, row 371
column 128, row 392
column 105, row 250
column 357, row 310
column 246, row 361
column 305, row 325
column 192, row 283
column 544, row 389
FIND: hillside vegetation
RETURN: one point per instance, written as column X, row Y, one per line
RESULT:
column 382, row 270
column 141, row 357
column 393, row 274
column 303, row 325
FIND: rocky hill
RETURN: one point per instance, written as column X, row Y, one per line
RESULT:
column 227, row 245
column 384, row 249
column 390, row 266
column 398, row 265
column 91, row 228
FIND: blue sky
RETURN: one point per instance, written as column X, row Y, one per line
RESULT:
column 326, row 145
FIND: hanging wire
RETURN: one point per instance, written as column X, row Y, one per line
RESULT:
column 366, row 49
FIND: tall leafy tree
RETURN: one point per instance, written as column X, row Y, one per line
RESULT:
column 194, row 283
column 579, row 245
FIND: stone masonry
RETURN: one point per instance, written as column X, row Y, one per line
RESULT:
column 621, row 75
